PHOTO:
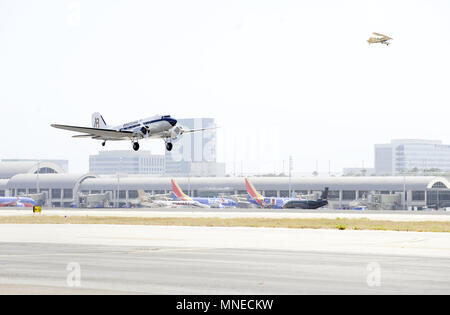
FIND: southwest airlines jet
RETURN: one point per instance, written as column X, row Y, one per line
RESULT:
column 17, row 202
column 212, row 202
column 279, row 202
column 146, row 201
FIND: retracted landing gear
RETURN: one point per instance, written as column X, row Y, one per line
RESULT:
column 135, row 146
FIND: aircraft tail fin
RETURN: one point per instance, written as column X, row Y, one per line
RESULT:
column 179, row 194
column 324, row 194
column 142, row 195
column 252, row 192
column 98, row 121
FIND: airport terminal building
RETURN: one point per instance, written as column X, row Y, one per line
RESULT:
column 64, row 190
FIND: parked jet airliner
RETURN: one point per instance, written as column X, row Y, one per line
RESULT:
column 159, row 127
column 283, row 202
column 146, row 201
column 212, row 202
column 17, row 202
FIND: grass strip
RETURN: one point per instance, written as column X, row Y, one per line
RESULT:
column 307, row 223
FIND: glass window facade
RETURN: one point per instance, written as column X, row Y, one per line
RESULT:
column 418, row 195
column 113, row 162
column 56, row 193
column 363, row 194
column 348, row 195
column 283, row 193
column 67, row 193
column 412, row 156
column 438, row 198
column 438, row 185
column 333, row 195
column 271, row 193
column 132, row 194
column 46, row 170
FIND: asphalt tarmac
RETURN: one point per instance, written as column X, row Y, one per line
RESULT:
column 154, row 270
column 91, row 259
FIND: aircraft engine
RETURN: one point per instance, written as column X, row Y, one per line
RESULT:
column 144, row 131
column 175, row 132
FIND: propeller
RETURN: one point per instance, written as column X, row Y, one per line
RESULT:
column 145, row 131
column 175, row 132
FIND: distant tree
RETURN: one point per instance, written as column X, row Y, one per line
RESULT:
column 431, row 171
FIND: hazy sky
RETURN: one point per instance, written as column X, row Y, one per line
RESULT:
column 280, row 77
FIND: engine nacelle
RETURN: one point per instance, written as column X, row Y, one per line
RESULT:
column 144, row 131
column 175, row 132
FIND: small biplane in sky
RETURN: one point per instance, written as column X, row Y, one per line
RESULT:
column 382, row 39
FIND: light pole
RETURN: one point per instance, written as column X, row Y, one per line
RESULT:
column 290, row 174
column 189, row 184
column 118, row 182
column 404, row 192
column 37, row 175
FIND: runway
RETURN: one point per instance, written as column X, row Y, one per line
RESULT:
column 201, row 260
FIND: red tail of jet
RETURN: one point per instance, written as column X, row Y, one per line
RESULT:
column 178, row 192
column 253, row 193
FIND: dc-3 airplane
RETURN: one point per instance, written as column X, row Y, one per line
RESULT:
column 383, row 39
column 156, row 127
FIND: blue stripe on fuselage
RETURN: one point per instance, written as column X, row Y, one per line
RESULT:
column 212, row 201
column 216, row 201
column 171, row 121
column 268, row 201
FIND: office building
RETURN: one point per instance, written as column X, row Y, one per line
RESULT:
column 194, row 154
column 412, row 156
column 127, row 162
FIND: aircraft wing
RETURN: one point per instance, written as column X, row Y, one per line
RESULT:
column 197, row 130
column 97, row 133
column 384, row 36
